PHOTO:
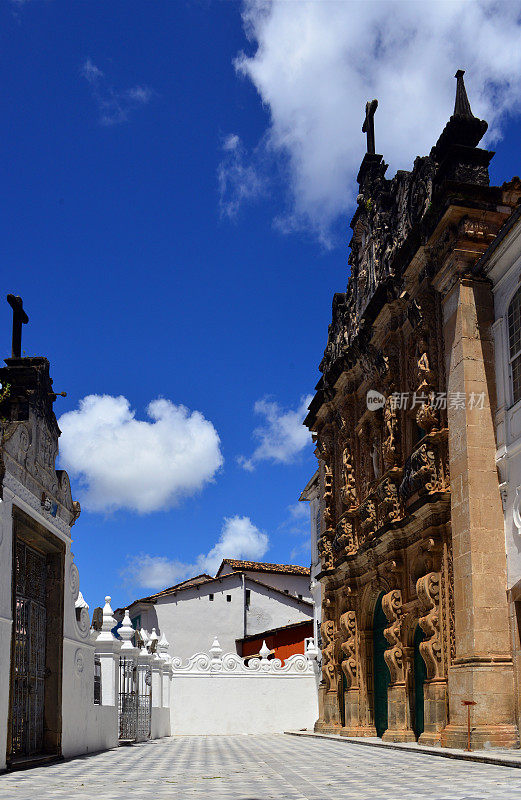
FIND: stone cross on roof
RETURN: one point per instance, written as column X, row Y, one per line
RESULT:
column 19, row 318
column 368, row 126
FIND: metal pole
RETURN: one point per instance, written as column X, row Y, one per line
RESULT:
column 468, row 703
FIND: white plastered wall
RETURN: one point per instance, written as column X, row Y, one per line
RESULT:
column 504, row 269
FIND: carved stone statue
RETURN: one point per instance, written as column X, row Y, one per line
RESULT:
column 376, row 461
column 348, row 479
column 391, row 424
column 426, row 376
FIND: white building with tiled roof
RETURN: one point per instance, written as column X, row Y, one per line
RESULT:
column 244, row 598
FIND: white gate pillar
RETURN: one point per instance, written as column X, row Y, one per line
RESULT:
column 162, row 647
column 107, row 649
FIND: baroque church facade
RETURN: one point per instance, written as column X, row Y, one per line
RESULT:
column 415, row 619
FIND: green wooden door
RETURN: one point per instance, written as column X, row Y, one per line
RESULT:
column 382, row 676
column 420, row 673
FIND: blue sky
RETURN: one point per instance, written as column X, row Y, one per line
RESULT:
column 175, row 216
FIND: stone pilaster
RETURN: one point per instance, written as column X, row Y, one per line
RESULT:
column 482, row 669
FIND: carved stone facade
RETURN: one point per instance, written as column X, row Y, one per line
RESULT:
column 403, row 423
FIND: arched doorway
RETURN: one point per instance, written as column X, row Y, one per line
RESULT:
column 420, row 673
column 382, row 676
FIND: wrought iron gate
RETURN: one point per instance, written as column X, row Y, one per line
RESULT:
column 127, row 699
column 135, row 700
column 30, row 623
column 144, row 700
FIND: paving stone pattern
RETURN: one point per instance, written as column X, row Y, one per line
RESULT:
column 257, row 768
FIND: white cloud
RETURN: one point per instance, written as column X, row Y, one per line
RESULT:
column 239, row 538
column 239, row 179
column 114, row 105
column 123, row 462
column 281, row 437
column 315, row 64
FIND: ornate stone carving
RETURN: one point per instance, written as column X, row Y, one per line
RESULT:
column 420, row 472
column 325, row 551
column 427, row 415
column 348, row 490
column 349, row 647
column 390, row 443
column 389, row 508
column 393, row 610
column 327, row 633
column 428, row 590
column 345, row 540
column 367, row 520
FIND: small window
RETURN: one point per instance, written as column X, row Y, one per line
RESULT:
column 514, row 344
column 228, row 598
column 300, row 597
column 248, row 597
column 210, row 597
column 286, row 591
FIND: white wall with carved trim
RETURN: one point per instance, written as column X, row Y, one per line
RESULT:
column 221, row 694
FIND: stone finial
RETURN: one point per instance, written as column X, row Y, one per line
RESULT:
column 264, row 652
column 311, row 649
column 81, row 602
column 216, row 651
column 461, row 104
column 108, row 616
column 162, row 647
column 143, row 635
column 126, row 632
column 463, row 128
column 153, row 640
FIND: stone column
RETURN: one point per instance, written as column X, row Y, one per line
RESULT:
column 482, row 670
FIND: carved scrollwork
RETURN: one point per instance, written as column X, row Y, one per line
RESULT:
column 428, row 590
column 393, row 610
column 329, row 670
column 349, row 647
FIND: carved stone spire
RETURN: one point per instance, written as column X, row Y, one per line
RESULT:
column 463, row 128
column 461, row 106
column 456, row 151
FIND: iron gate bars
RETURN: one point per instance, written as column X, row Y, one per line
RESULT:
column 30, row 628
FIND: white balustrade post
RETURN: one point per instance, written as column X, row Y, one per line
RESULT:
column 216, row 653
column 107, row 649
column 157, row 670
column 162, row 647
column 126, row 632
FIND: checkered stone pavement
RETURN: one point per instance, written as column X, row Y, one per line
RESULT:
column 259, row 768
